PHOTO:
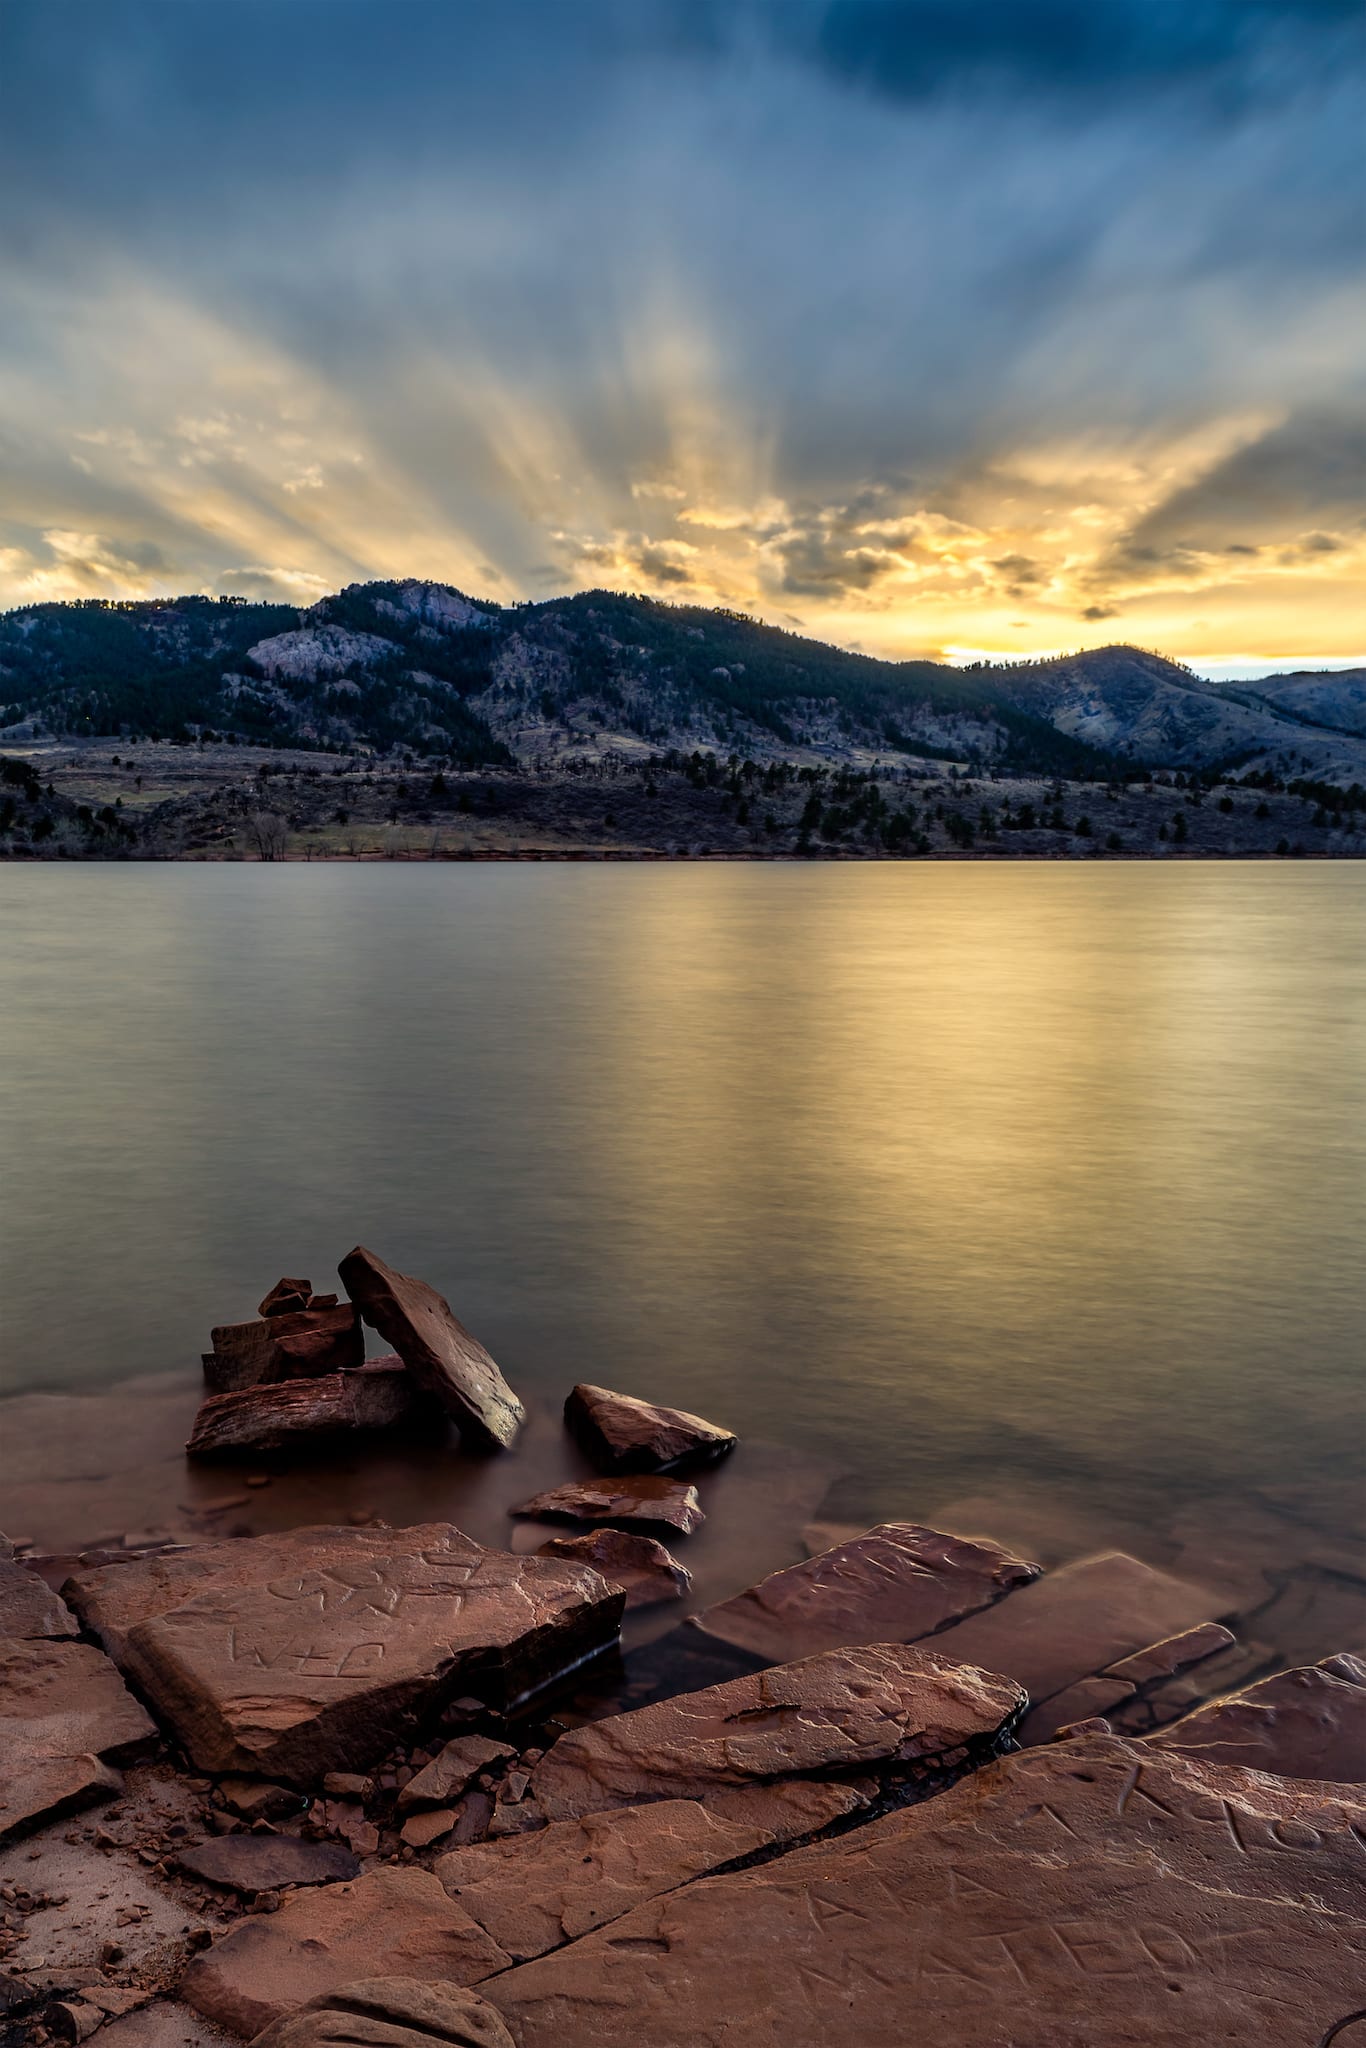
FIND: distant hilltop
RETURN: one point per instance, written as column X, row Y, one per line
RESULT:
column 423, row 669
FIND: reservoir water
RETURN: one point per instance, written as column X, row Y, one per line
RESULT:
column 1044, row 1184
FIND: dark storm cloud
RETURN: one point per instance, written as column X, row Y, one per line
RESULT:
column 910, row 49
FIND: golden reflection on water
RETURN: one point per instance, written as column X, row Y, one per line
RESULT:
column 946, row 1172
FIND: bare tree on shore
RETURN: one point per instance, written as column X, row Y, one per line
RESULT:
column 269, row 834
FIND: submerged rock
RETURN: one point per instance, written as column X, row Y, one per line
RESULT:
column 537, row 1891
column 1091, row 1895
column 1078, row 1621
column 391, row 2012
column 65, row 1716
column 622, row 1434
column 893, row 1584
column 647, row 1573
column 293, row 1655
column 267, row 1966
column 266, row 1418
column 444, row 1359
column 1309, row 1723
column 875, row 1707
column 647, row 1499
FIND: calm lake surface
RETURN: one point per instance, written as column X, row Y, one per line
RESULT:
column 959, row 1176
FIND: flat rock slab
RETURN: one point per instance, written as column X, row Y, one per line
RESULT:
column 1077, row 1621
column 266, row 1418
column 1309, row 1723
column 537, row 1891
column 450, row 1774
column 243, row 1355
column 264, row 1863
column 890, row 1585
column 646, row 1572
column 391, row 2012
column 394, row 1920
column 445, row 1360
column 318, row 1340
column 28, row 1607
column 843, row 1711
column 1085, row 1896
column 65, row 1716
column 622, row 1434
column 646, row 1499
column 294, row 1655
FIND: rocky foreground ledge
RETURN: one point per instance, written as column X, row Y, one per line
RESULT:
column 357, row 1787
column 290, row 1787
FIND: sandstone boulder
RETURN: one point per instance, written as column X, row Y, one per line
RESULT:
column 647, row 1499
column 391, row 2012
column 292, row 1655
column 286, row 1298
column 398, row 1920
column 268, row 1418
column 1091, row 1895
column 444, row 1359
column 1309, row 1723
column 892, row 1584
column 65, row 1716
column 263, row 1863
column 28, row 1606
column 243, row 1355
column 622, row 1434
column 536, row 1891
column 318, row 1340
column 876, row 1708
column 1078, row 1621
column 646, row 1572
column 451, row 1773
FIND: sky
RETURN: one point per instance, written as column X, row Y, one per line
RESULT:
column 948, row 328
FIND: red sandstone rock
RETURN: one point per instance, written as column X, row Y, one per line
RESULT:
column 445, row 1360
column 317, row 1341
column 893, row 1584
column 286, row 1298
column 29, row 1607
column 320, row 1940
column 1091, row 1895
column 293, row 1655
column 451, row 1774
column 391, row 2012
column 1177, row 1653
column 877, row 1706
column 1078, row 1621
column 622, row 1434
column 65, row 1715
column 537, row 1891
column 647, row 1573
column 646, row 1499
column 263, row 1863
column 266, row 1418
column 243, row 1355
column 1309, row 1723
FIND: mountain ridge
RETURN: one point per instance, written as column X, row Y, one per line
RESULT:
column 416, row 666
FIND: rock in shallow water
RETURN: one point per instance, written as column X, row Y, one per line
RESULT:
column 647, row 1499
column 443, row 1358
column 398, row 1920
column 265, row 1418
column 876, row 1707
column 1309, row 1723
column 622, row 1434
column 893, row 1584
column 293, row 1655
column 1091, row 1895
column 647, row 1573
